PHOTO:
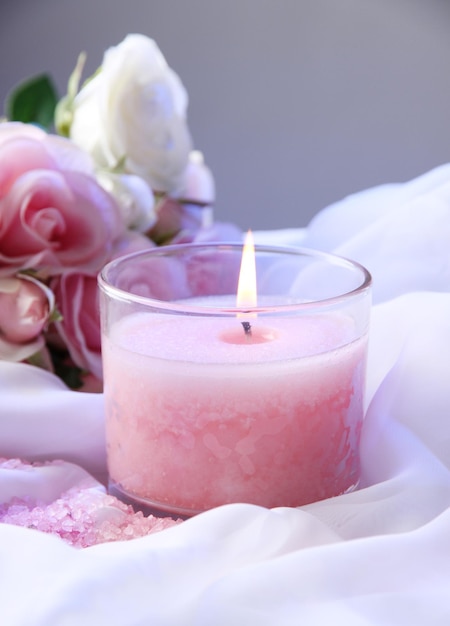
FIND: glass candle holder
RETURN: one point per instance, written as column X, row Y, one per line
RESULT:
column 208, row 402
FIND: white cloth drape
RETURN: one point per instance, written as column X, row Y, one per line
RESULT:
column 378, row 556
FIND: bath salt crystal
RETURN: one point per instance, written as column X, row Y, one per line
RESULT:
column 82, row 517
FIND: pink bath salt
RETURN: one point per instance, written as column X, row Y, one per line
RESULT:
column 82, row 517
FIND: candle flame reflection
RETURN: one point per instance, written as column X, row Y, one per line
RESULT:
column 246, row 293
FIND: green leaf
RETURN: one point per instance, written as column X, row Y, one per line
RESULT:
column 33, row 102
column 63, row 367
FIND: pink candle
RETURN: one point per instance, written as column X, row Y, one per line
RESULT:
column 201, row 413
column 211, row 401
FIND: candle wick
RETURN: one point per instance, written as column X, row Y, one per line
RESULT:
column 247, row 328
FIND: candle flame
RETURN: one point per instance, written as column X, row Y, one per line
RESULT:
column 246, row 293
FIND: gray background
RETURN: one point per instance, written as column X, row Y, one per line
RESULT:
column 295, row 103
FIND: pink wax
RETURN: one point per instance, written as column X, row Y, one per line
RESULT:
column 200, row 414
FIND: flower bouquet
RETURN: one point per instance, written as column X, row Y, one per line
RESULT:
column 106, row 170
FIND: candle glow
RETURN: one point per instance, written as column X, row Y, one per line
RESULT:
column 247, row 290
column 247, row 299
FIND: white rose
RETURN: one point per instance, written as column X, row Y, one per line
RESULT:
column 132, row 113
column 133, row 196
column 198, row 185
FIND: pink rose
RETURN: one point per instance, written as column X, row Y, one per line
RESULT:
column 180, row 219
column 177, row 221
column 219, row 232
column 24, row 147
column 155, row 276
column 25, row 307
column 77, row 298
column 187, row 223
column 131, row 241
column 54, row 216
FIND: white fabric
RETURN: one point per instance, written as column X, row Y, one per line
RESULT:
column 378, row 556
